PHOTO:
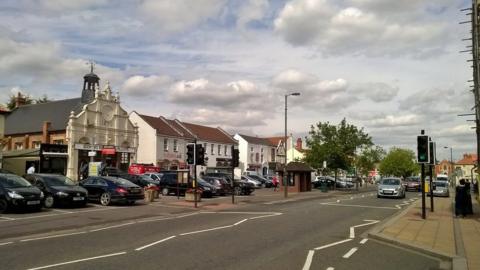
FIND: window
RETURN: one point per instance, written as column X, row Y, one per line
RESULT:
column 251, row 149
column 273, row 154
column 219, row 150
column 57, row 141
column 124, row 158
column 261, row 150
column 261, row 158
column 36, row 144
column 175, row 146
column 205, row 148
column 212, row 151
column 18, row 146
column 251, row 157
column 165, row 145
column 257, row 157
column 225, row 150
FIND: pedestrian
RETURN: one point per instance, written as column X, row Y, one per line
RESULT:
column 31, row 169
column 469, row 207
column 274, row 183
column 461, row 199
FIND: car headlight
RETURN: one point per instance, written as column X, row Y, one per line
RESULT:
column 397, row 188
column 380, row 189
column 61, row 194
column 41, row 194
column 14, row 195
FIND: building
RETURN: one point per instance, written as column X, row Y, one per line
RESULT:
column 464, row 168
column 296, row 153
column 3, row 113
column 444, row 167
column 164, row 143
column 63, row 136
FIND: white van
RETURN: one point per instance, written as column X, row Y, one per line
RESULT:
column 442, row 177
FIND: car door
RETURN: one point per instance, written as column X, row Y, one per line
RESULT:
column 91, row 186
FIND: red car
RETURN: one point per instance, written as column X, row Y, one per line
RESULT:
column 413, row 184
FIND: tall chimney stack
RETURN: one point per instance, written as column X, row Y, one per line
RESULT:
column 19, row 100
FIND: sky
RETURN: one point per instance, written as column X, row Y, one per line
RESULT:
column 390, row 67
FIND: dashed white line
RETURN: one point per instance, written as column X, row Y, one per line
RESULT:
column 352, row 229
column 62, row 211
column 76, row 261
column 350, row 253
column 5, row 243
column 51, row 236
column 333, row 244
column 360, row 206
column 207, row 230
column 241, row 221
column 7, row 218
column 364, row 241
column 111, row 227
column 154, row 243
column 308, row 261
column 330, row 268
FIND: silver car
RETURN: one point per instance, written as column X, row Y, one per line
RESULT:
column 441, row 189
column 391, row 187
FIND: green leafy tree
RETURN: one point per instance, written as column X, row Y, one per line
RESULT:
column 337, row 145
column 368, row 159
column 28, row 100
column 43, row 99
column 399, row 162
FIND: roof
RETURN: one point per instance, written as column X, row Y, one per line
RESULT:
column 30, row 118
column 296, row 166
column 3, row 111
column 468, row 159
column 178, row 126
column 257, row 140
column 205, row 133
column 275, row 140
column 161, row 125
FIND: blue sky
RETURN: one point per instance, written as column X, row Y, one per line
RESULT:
column 391, row 67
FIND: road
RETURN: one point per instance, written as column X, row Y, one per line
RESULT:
column 324, row 233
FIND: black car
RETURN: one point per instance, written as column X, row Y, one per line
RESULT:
column 242, row 187
column 169, row 184
column 223, row 186
column 140, row 180
column 58, row 190
column 208, row 190
column 16, row 192
column 108, row 189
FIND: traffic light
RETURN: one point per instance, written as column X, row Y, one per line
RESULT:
column 423, row 149
column 235, row 157
column 433, row 154
column 200, row 155
column 190, row 153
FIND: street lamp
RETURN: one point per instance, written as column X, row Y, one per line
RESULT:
column 451, row 165
column 285, row 183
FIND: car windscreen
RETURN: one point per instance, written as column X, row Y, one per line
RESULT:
column 441, row 184
column 442, row 178
column 413, row 179
column 58, row 180
column 203, row 182
column 13, row 181
column 390, row 182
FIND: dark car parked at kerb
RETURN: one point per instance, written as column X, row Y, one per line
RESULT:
column 108, row 189
column 169, row 184
column 141, row 180
column 58, row 190
column 18, row 193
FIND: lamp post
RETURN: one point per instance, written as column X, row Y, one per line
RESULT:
column 285, row 182
column 451, row 165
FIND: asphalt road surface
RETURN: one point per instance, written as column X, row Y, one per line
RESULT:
column 311, row 234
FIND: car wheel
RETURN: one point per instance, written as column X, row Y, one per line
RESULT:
column 3, row 206
column 105, row 199
column 238, row 191
column 165, row 191
column 49, row 200
column 130, row 202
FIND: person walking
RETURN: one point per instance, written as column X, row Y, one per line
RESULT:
column 461, row 199
column 274, row 183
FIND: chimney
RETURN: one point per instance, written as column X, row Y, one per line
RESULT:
column 299, row 144
column 45, row 132
column 19, row 100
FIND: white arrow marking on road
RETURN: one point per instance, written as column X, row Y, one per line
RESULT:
column 352, row 229
column 350, row 253
column 154, row 243
column 308, row 261
column 81, row 260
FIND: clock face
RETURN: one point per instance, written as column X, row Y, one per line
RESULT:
column 107, row 112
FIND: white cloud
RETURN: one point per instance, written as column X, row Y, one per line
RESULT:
column 228, row 119
column 141, row 87
column 377, row 91
column 395, row 121
column 251, row 11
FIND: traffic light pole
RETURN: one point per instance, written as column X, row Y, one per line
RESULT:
column 431, row 188
column 195, row 173
column 233, row 180
column 423, row 191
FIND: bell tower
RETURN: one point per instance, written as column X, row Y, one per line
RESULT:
column 90, row 85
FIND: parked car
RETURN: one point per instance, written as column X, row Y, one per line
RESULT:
column 391, row 187
column 141, row 168
column 208, row 190
column 343, row 183
column 323, row 180
column 108, row 189
column 260, row 179
column 154, row 176
column 256, row 184
column 18, row 193
column 242, row 187
column 142, row 181
column 169, row 185
column 221, row 185
column 413, row 184
column 440, row 189
column 58, row 190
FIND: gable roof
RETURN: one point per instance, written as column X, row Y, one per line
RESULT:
column 210, row 134
column 468, row 159
column 276, row 140
column 30, row 118
column 161, row 125
column 256, row 140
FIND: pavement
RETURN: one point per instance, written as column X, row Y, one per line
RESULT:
column 441, row 234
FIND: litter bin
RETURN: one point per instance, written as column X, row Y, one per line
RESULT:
column 149, row 195
column 324, row 187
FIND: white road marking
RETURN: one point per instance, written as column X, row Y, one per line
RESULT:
column 6, row 243
column 352, row 229
column 62, row 211
column 282, row 201
column 398, row 206
column 51, row 236
column 361, row 206
column 154, row 243
column 333, row 244
column 350, row 253
column 351, row 198
column 7, row 218
column 364, row 241
column 111, row 227
column 363, row 196
column 187, row 215
column 241, row 221
column 76, row 261
column 271, row 215
column 308, row 261
column 338, row 201
column 207, row 230
column 330, row 268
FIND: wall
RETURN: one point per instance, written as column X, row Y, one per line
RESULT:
column 147, row 138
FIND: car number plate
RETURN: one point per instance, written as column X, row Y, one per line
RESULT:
column 78, row 198
column 388, row 192
column 33, row 202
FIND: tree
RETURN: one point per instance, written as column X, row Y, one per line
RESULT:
column 337, row 145
column 28, row 100
column 43, row 99
column 399, row 162
column 368, row 158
